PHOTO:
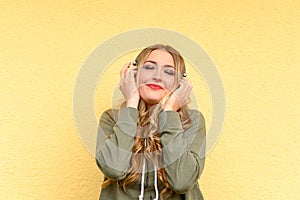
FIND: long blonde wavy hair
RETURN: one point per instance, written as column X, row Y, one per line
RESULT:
column 147, row 143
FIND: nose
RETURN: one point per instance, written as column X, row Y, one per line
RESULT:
column 157, row 76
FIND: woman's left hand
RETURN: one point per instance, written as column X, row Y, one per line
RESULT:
column 180, row 96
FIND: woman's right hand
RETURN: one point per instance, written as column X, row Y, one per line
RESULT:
column 128, row 86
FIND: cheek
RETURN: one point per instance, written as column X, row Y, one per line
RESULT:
column 143, row 77
column 170, row 82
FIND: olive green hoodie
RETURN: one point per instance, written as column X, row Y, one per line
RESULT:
column 181, row 154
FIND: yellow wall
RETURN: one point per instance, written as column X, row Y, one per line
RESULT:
column 255, row 45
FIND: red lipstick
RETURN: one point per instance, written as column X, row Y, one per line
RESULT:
column 154, row 86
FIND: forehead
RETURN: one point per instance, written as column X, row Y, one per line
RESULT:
column 161, row 57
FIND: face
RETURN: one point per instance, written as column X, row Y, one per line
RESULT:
column 156, row 77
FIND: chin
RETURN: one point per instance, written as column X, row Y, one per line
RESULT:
column 150, row 96
column 151, row 101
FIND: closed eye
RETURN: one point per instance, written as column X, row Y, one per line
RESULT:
column 170, row 71
column 149, row 67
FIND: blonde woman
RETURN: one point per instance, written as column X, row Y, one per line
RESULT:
column 154, row 140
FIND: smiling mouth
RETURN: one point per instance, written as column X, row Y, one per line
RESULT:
column 154, row 86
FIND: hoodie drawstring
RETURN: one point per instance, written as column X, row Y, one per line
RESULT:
column 141, row 196
column 155, row 183
column 142, row 183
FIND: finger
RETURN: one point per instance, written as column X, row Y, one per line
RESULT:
column 124, row 69
column 182, row 84
column 130, row 74
column 184, row 80
column 187, row 83
column 135, row 70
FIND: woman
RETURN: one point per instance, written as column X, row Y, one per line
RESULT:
column 153, row 141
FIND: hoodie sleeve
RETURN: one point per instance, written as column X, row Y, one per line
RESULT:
column 183, row 151
column 115, row 139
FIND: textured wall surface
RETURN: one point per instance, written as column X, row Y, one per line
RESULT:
column 255, row 45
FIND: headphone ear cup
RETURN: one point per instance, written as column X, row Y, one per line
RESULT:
column 134, row 63
column 184, row 72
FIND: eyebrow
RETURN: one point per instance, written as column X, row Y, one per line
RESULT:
column 151, row 61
